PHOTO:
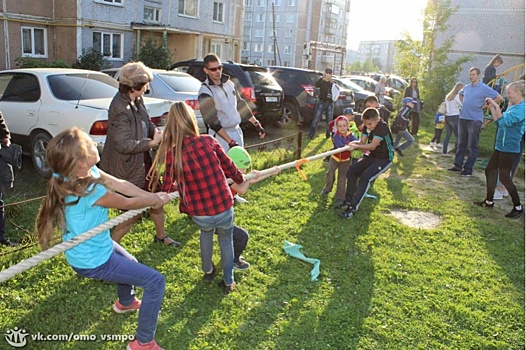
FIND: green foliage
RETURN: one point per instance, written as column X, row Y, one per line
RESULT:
column 92, row 59
column 428, row 62
column 29, row 62
column 364, row 67
column 155, row 55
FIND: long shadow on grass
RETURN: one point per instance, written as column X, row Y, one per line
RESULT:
column 293, row 312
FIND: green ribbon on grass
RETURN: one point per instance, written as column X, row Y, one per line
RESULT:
column 293, row 250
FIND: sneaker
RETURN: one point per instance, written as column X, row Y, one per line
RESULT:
column 432, row 144
column 439, row 145
column 324, row 193
column 484, row 204
column 227, row 289
column 8, row 243
column 454, row 169
column 134, row 345
column 505, row 193
column 465, row 173
column 348, row 213
column 241, row 264
column 209, row 277
column 342, row 205
column 514, row 213
column 134, row 306
column 399, row 152
column 240, row 199
column 497, row 195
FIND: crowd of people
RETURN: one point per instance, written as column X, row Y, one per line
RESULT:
column 84, row 186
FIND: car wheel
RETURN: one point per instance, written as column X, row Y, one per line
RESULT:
column 290, row 115
column 38, row 153
column 360, row 106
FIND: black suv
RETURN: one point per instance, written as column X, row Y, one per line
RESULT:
column 301, row 95
column 255, row 83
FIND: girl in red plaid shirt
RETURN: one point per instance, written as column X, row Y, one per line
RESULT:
column 198, row 167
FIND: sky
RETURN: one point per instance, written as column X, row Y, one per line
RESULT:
column 384, row 20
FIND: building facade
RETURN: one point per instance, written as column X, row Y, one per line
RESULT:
column 483, row 28
column 298, row 33
column 380, row 52
column 62, row 29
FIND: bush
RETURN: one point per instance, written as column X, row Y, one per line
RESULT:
column 92, row 59
column 155, row 55
column 29, row 62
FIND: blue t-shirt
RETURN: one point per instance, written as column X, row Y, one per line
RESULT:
column 82, row 217
column 474, row 98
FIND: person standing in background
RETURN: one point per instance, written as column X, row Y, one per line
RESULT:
column 380, row 89
column 490, row 72
column 413, row 92
column 5, row 139
column 325, row 103
column 453, row 105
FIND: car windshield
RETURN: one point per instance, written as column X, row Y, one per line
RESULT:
column 82, row 86
column 351, row 85
column 180, row 83
column 260, row 77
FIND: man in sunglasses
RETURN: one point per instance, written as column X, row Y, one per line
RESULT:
column 222, row 106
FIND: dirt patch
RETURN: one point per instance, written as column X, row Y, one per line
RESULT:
column 417, row 219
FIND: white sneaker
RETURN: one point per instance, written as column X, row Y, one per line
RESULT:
column 240, row 199
column 439, row 145
column 432, row 144
column 497, row 195
column 505, row 193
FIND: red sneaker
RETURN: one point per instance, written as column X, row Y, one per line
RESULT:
column 134, row 345
column 134, row 306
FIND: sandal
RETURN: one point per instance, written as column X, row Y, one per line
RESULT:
column 166, row 241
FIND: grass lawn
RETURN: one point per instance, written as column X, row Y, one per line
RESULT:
column 383, row 284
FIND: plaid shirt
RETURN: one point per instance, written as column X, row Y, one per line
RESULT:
column 206, row 168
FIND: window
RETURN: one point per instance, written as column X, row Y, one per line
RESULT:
column 277, row 2
column 248, row 16
column 215, row 48
column 245, row 45
column 152, row 14
column 109, row 44
column 34, row 42
column 260, row 17
column 113, row 1
column 248, row 2
column 19, row 87
column 261, row 3
column 258, row 47
column 290, row 18
column 286, row 63
column 188, row 7
column 258, row 33
column 292, row 2
column 286, row 49
column 288, row 33
column 276, row 18
column 270, row 62
column 218, row 11
column 270, row 48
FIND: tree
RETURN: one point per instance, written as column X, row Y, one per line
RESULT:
column 92, row 59
column 155, row 55
column 427, row 61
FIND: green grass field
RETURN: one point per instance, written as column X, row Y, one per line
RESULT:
column 383, row 284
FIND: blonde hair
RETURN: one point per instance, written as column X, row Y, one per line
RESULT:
column 64, row 153
column 134, row 74
column 517, row 86
column 454, row 92
column 181, row 124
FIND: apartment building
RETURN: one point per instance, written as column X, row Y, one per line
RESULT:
column 61, row 29
column 298, row 33
column 380, row 52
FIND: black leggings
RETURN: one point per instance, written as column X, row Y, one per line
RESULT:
column 438, row 135
column 499, row 166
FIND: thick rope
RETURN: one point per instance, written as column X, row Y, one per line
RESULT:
column 61, row 247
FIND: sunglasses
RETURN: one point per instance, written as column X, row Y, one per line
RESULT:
column 214, row 69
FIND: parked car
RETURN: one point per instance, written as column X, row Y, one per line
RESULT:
column 301, row 96
column 360, row 94
column 369, row 84
column 38, row 103
column 396, row 85
column 172, row 86
column 257, row 86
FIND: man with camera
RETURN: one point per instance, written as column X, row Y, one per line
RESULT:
column 473, row 97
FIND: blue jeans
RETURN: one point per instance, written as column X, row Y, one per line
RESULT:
column 451, row 128
column 223, row 225
column 127, row 273
column 321, row 107
column 468, row 139
column 406, row 135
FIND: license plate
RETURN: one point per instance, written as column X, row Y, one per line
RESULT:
column 271, row 99
column 348, row 98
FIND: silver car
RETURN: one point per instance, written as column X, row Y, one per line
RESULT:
column 39, row 103
column 172, row 86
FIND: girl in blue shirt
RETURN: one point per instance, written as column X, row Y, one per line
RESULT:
column 507, row 145
column 78, row 198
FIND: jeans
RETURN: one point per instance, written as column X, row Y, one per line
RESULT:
column 406, row 135
column 468, row 138
column 321, row 107
column 127, row 273
column 415, row 122
column 360, row 176
column 451, row 127
column 223, row 225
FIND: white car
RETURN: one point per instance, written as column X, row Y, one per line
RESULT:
column 173, row 86
column 39, row 103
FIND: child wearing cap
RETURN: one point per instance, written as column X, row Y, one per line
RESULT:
column 340, row 161
column 400, row 124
